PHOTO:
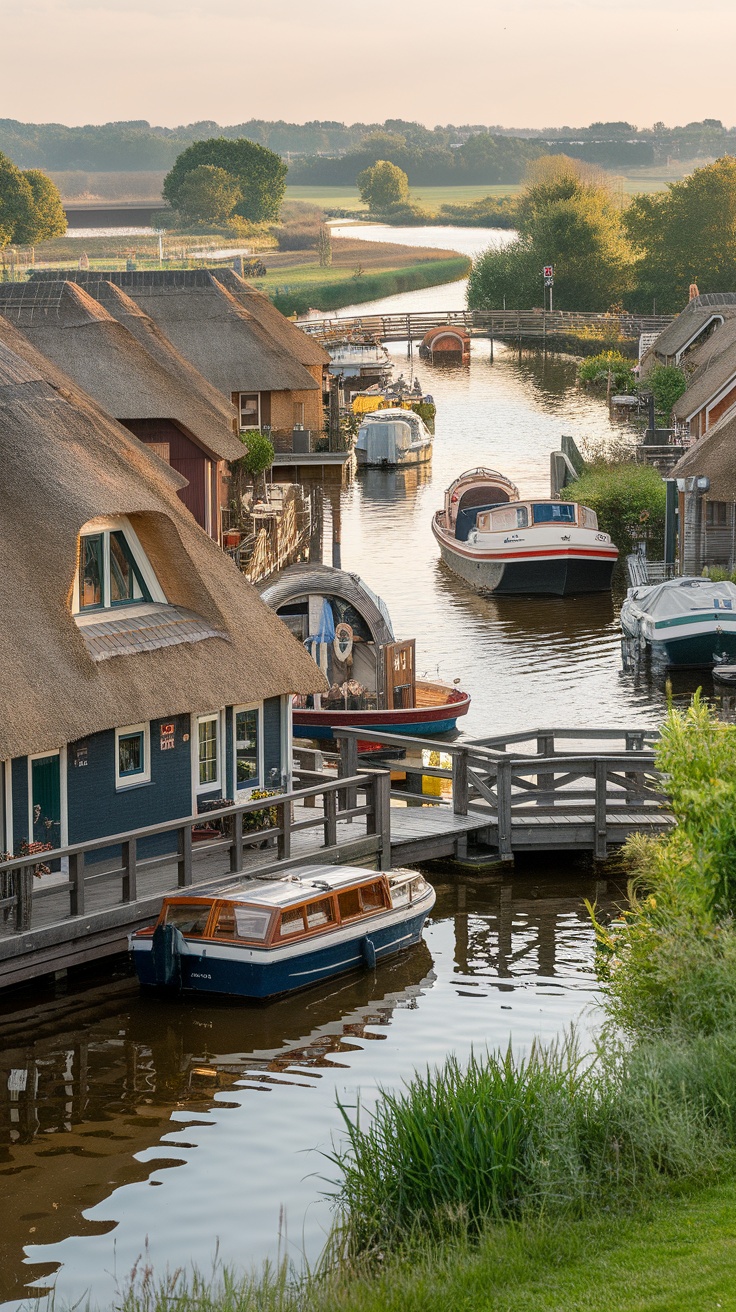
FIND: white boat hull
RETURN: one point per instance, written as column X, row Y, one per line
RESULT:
column 544, row 566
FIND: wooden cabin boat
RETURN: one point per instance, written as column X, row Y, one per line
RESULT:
column 685, row 622
column 448, row 344
column 373, row 683
column 392, row 437
column 498, row 543
column 359, row 365
column 259, row 938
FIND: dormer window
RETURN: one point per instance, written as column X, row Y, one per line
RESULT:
column 113, row 570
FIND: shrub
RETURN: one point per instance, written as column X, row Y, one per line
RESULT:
column 598, row 368
column 628, row 499
column 668, row 383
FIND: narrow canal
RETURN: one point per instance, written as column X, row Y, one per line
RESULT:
column 135, row 1128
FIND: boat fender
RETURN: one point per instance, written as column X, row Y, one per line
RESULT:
column 166, row 949
column 343, row 642
column 369, row 952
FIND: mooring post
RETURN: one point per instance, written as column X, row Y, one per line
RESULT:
column 503, row 794
column 348, row 770
column 236, row 843
column 380, row 821
column 330, row 804
column 76, row 879
column 283, row 817
column 184, row 861
column 460, row 780
column 130, row 859
column 601, row 780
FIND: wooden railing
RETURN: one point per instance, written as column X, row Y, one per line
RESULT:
column 486, row 323
column 21, row 892
column 598, row 788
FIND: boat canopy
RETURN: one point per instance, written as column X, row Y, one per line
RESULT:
column 684, row 596
column 385, row 435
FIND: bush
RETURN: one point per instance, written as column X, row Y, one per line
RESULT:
column 628, row 499
column 597, row 369
column 668, row 383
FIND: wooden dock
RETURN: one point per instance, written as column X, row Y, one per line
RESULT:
column 497, row 797
column 504, row 325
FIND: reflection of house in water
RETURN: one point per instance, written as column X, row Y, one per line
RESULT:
column 106, row 1069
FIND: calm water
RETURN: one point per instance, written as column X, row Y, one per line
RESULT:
column 128, row 1123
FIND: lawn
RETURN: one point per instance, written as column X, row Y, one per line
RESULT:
column 678, row 1256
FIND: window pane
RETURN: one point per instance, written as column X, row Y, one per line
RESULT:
column 131, row 754
column 208, row 751
column 90, row 571
column 349, row 902
column 252, row 923
column 292, row 921
column 189, row 917
column 121, row 574
column 372, row 895
column 246, row 747
column 554, row 513
column 320, row 913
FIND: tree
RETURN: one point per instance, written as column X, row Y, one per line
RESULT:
column 258, row 457
column 259, row 174
column 208, row 194
column 16, row 200
column 567, row 217
column 383, row 185
column 686, row 234
column 47, row 218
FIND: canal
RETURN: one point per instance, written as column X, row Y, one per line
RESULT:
column 134, row 1128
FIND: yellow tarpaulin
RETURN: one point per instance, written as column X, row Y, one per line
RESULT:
column 365, row 405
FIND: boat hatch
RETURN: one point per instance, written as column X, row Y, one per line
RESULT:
column 554, row 512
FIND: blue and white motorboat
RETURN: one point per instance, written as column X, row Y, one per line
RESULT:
column 686, row 622
column 258, row 938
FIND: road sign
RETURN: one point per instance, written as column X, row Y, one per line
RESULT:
column 548, row 271
column 549, row 282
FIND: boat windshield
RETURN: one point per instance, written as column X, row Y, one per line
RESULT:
column 554, row 512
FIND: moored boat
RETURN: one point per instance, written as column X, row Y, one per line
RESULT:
column 392, row 437
column 688, row 622
column 500, row 544
column 372, row 677
column 263, row 937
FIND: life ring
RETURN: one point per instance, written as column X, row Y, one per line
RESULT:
column 343, row 642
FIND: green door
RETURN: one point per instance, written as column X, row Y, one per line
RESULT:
column 46, row 799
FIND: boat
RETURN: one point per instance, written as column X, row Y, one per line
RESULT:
column 500, row 544
column 359, row 365
column 259, row 938
column 688, row 622
column 392, row 437
column 372, row 677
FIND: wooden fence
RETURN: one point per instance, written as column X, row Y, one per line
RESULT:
column 514, row 324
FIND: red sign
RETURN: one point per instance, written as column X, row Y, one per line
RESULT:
column 166, row 737
column 548, row 271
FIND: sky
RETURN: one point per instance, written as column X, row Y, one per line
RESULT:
column 527, row 63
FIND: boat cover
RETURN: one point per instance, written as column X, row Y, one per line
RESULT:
column 384, row 440
column 685, row 596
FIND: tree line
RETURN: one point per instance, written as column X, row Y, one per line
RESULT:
column 473, row 153
column 644, row 256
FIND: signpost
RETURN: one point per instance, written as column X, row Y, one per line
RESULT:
column 548, row 273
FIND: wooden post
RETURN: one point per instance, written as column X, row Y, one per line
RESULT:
column 283, row 813
column 76, row 877
column 22, row 879
column 380, row 822
column 460, row 781
column 503, row 793
column 601, row 844
column 184, row 863
column 330, row 803
column 545, row 781
column 130, row 881
column 348, row 769
column 236, row 843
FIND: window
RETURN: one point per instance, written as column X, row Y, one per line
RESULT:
column 372, row 897
column 132, row 755
column 247, row 748
column 189, row 917
column 109, row 574
column 298, row 413
column 716, row 514
column 252, row 923
column 588, row 518
column 320, row 913
column 208, row 753
column 250, row 410
column 511, row 517
column 292, row 921
column 349, row 903
column 554, row 512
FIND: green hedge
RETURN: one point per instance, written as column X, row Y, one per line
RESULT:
column 372, row 286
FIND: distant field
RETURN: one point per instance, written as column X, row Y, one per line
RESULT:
column 347, row 198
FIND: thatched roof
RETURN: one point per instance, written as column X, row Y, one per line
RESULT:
column 209, row 326
column 132, row 375
column 714, row 366
column 696, row 316
column 307, row 350
column 713, row 457
column 65, row 462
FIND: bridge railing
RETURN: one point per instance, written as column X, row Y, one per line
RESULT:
column 525, row 323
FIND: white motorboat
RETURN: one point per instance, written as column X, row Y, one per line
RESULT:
column 498, row 543
column 392, row 437
column 687, row 622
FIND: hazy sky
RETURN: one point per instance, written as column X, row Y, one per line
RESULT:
column 529, row 63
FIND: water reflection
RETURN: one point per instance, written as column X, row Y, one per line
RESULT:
column 103, row 1092
column 383, row 485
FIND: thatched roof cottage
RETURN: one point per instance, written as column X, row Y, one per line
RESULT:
column 142, row 675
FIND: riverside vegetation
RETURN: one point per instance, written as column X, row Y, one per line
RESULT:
column 600, row 1178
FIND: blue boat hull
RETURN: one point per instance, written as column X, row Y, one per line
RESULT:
column 419, row 729
column 228, row 970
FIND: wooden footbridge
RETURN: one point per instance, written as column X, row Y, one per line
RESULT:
column 503, row 325
column 549, row 790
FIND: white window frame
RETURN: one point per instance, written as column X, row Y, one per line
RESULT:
column 259, row 782
column 123, row 781
column 107, row 525
column 213, row 784
column 63, row 801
